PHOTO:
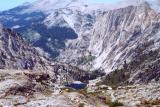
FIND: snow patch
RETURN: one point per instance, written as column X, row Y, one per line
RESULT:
column 16, row 27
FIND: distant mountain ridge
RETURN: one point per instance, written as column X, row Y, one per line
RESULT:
column 91, row 39
column 52, row 23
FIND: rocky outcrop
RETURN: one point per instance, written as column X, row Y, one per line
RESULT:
column 143, row 68
column 16, row 53
column 126, row 41
column 25, row 88
column 117, row 34
column 136, row 95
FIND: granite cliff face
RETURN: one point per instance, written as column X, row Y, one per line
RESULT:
column 117, row 33
column 126, row 41
column 115, row 36
column 122, row 37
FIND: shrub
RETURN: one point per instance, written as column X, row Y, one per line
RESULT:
column 151, row 102
column 114, row 104
column 47, row 92
column 81, row 105
column 108, row 100
column 83, row 91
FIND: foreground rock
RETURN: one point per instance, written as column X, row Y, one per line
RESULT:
column 37, row 89
column 137, row 95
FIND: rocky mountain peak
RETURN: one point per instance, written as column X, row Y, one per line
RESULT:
column 144, row 6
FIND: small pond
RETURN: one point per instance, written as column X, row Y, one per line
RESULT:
column 77, row 85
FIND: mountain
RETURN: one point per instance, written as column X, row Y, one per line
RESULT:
column 113, row 38
column 128, row 44
column 52, row 23
column 123, row 31
column 91, row 37
column 114, row 53
column 124, row 43
column 17, row 54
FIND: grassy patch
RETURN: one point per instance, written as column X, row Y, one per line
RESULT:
column 81, row 105
column 83, row 91
column 47, row 92
column 114, row 104
column 151, row 102
column 85, row 59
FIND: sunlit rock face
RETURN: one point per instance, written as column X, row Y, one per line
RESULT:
column 114, row 38
column 126, row 41
column 118, row 33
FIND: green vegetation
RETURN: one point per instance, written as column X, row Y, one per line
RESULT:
column 150, row 103
column 81, row 105
column 116, row 77
column 108, row 101
column 86, row 59
column 47, row 92
column 83, row 91
column 114, row 104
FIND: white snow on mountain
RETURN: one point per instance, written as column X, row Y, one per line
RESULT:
column 67, row 13
column 16, row 26
column 155, row 4
column 82, row 5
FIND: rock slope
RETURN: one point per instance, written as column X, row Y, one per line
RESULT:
column 115, row 39
column 137, row 95
column 16, row 53
column 53, row 23
column 22, row 88
column 119, row 32
column 128, row 44
column 118, row 37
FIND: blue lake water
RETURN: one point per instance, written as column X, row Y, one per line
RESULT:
column 77, row 86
